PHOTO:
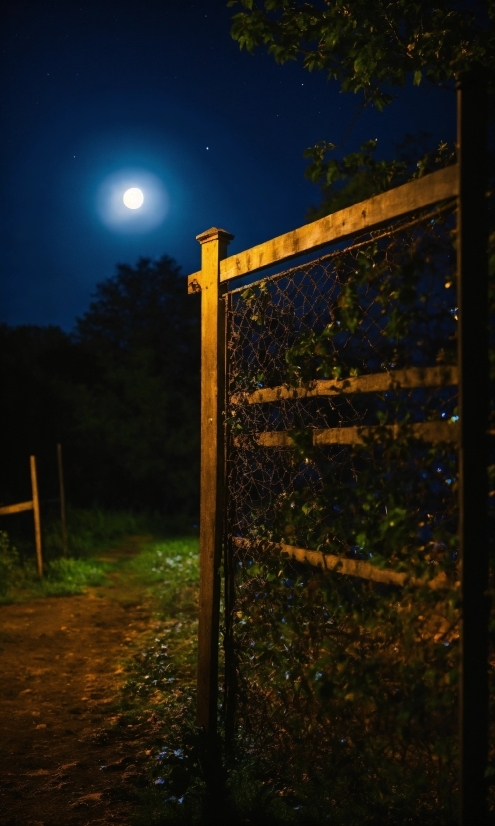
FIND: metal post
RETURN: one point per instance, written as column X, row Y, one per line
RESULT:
column 36, row 515
column 214, row 244
column 63, row 522
column 472, row 286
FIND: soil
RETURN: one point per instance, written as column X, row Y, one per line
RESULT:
column 67, row 757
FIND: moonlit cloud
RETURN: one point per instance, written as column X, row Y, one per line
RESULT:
column 115, row 214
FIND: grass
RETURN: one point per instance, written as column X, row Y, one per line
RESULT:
column 94, row 529
column 90, row 533
column 161, row 679
column 19, row 580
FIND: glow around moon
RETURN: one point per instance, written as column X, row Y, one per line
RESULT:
column 133, row 198
column 132, row 201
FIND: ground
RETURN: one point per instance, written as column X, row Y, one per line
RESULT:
column 68, row 756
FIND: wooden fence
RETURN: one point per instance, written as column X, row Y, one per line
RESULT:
column 463, row 183
column 32, row 505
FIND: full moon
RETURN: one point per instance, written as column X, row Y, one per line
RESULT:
column 133, row 198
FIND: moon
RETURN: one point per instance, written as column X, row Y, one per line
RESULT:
column 133, row 198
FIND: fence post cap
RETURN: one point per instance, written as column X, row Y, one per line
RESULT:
column 213, row 234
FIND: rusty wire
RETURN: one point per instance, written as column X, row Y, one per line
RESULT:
column 385, row 302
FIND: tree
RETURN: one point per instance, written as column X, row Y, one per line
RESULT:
column 139, row 413
column 38, row 366
column 370, row 47
column 121, row 394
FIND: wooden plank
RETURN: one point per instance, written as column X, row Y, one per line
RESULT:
column 21, row 506
column 472, row 338
column 425, row 431
column 213, row 248
column 349, row 567
column 418, row 194
column 441, row 376
column 36, row 515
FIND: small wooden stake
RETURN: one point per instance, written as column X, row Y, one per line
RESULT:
column 63, row 522
column 36, row 514
column 214, row 244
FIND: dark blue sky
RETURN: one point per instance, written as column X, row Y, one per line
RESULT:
column 103, row 89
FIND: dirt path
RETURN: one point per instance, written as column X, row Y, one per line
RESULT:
column 59, row 676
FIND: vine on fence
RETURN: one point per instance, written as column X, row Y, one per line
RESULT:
column 352, row 681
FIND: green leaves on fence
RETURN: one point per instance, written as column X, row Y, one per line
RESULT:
column 352, row 681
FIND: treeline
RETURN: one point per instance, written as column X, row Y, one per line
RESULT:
column 120, row 393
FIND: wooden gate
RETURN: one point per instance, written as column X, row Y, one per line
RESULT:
column 461, row 189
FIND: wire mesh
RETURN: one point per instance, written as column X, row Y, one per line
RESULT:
column 347, row 678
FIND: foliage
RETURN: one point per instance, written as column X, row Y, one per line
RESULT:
column 162, row 677
column 268, row 782
column 38, row 368
column 93, row 529
column 62, row 577
column 139, row 416
column 9, row 563
column 370, row 47
column 89, row 533
column 355, row 685
column 352, row 681
column 359, row 175
column 121, row 394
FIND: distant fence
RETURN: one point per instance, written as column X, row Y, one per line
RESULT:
column 34, row 505
column 344, row 453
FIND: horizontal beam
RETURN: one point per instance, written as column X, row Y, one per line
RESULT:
column 367, row 215
column 442, row 376
column 348, row 567
column 424, row 431
column 21, row 506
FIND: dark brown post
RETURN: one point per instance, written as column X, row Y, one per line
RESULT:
column 472, row 286
column 36, row 515
column 63, row 523
column 214, row 244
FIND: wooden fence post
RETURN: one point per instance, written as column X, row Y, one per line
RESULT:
column 214, row 243
column 63, row 522
column 472, row 286
column 36, row 514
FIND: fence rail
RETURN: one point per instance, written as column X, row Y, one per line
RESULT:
column 371, row 383
column 32, row 505
column 432, row 189
column 348, row 567
column 21, row 506
column 425, row 431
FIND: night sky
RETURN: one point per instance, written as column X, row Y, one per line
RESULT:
column 104, row 94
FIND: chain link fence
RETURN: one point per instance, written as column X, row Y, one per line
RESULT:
column 341, row 619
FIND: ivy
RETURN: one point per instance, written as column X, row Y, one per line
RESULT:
column 352, row 681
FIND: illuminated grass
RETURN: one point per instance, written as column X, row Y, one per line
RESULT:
column 19, row 580
column 166, row 668
column 91, row 532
